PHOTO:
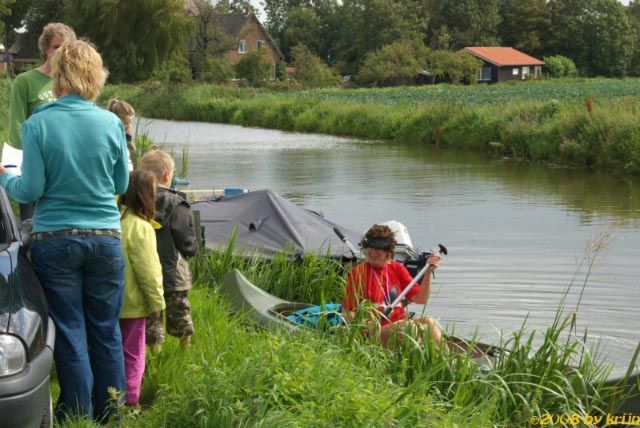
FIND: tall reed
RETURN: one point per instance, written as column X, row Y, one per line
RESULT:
column 532, row 373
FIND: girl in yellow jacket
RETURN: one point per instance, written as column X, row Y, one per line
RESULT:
column 143, row 293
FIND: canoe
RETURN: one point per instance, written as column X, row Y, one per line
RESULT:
column 273, row 312
column 260, row 306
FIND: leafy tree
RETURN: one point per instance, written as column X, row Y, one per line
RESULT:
column 398, row 62
column 560, row 66
column 609, row 38
column 472, row 22
column 401, row 62
column 5, row 7
column 314, row 23
column 276, row 11
column 209, row 38
column 217, row 69
column 524, row 25
column 454, row 67
column 371, row 25
column 311, row 71
column 594, row 33
column 441, row 38
column 633, row 14
column 34, row 15
column 175, row 68
column 302, row 27
column 134, row 37
column 5, row 12
column 255, row 67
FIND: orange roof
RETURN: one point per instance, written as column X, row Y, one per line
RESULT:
column 503, row 56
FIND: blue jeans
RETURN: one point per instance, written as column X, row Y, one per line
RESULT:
column 83, row 280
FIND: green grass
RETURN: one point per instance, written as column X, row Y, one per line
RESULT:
column 311, row 278
column 238, row 374
column 582, row 123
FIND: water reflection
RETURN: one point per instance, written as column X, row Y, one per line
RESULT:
column 516, row 232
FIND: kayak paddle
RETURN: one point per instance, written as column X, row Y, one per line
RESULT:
column 354, row 251
column 443, row 251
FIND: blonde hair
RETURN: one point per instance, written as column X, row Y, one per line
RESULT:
column 123, row 110
column 51, row 30
column 157, row 162
column 77, row 68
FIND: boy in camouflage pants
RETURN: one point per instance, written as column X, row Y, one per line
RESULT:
column 176, row 241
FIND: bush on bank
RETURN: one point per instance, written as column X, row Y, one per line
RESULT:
column 601, row 133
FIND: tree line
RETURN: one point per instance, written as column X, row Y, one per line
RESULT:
column 139, row 38
column 602, row 37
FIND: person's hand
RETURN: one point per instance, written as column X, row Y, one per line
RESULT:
column 3, row 170
column 433, row 261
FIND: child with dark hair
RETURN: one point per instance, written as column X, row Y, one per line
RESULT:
column 143, row 292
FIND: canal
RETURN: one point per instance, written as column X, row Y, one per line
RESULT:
column 518, row 234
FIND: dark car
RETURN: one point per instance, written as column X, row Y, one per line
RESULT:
column 26, row 332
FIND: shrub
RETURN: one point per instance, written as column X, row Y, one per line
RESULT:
column 254, row 67
column 399, row 62
column 454, row 67
column 560, row 66
column 311, row 71
column 216, row 69
column 174, row 69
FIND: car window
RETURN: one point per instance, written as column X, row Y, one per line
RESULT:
column 7, row 219
column 3, row 231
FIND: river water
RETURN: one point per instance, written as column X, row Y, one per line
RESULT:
column 518, row 234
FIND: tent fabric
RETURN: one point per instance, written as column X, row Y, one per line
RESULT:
column 268, row 223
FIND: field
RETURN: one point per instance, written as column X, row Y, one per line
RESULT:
column 481, row 94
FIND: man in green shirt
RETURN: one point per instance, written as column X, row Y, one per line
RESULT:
column 33, row 88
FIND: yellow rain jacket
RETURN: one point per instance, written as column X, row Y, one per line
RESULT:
column 143, row 292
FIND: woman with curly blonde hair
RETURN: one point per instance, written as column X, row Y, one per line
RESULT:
column 74, row 162
column 380, row 279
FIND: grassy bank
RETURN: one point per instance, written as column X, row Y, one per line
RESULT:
column 591, row 123
column 587, row 123
column 236, row 374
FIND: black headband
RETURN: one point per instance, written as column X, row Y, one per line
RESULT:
column 378, row 242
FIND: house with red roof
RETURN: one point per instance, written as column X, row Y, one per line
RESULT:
column 502, row 64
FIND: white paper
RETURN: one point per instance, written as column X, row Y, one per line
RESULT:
column 11, row 156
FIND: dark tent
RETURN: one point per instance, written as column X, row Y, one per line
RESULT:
column 268, row 223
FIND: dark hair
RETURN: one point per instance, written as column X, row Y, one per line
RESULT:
column 379, row 233
column 140, row 197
